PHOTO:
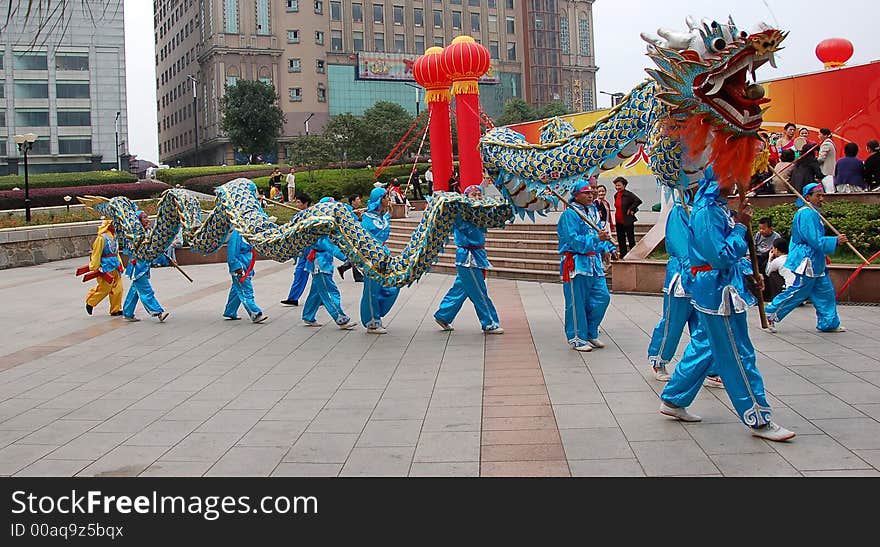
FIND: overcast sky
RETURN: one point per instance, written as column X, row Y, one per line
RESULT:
column 620, row 52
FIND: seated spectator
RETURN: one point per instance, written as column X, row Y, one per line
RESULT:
column 807, row 170
column 872, row 165
column 849, row 174
column 784, row 168
column 396, row 193
column 777, row 277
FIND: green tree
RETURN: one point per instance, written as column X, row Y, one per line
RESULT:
column 549, row 110
column 313, row 152
column 252, row 118
column 516, row 111
column 348, row 136
column 385, row 123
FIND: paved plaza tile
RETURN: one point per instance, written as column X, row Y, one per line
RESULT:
column 199, row 396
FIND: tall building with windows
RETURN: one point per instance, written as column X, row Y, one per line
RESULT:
column 324, row 57
column 65, row 86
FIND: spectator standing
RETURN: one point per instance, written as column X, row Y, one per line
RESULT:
column 429, row 178
column 416, row 186
column 807, row 170
column 604, row 208
column 626, row 204
column 872, row 164
column 849, row 174
column 827, row 159
column 291, row 185
column 275, row 182
column 785, row 169
column 788, row 137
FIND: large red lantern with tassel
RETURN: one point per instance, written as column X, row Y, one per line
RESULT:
column 429, row 73
column 834, row 52
column 465, row 61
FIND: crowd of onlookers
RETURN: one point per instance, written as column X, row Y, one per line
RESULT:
column 802, row 158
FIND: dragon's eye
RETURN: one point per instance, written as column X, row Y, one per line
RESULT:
column 718, row 44
column 743, row 34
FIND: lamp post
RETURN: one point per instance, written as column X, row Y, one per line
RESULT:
column 306, row 123
column 25, row 143
column 118, row 164
column 615, row 97
column 195, row 82
column 418, row 95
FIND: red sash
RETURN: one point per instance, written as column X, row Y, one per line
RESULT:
column 568, row 264
column 250, row 267
column 704, row 268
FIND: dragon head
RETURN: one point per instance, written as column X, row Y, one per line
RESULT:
column 709, row 72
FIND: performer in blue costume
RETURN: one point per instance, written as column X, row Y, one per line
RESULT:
column 377, row 300
column 677, row 308
column 471, row 264
column 301, row 272
column 324, row 291
column 806, row 258
column 240, row 257
column 717, row 246
column 584, row 286
column 141, row 289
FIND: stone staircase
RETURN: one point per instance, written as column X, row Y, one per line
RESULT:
column 523, row 251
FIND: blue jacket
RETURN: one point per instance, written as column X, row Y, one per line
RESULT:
column 678, row 267
column 379, row 225
column 238, row 252
column 137, row 269
column 576, row 237
column 809, row 244
column 467, row 237
column 716, row 241
column 325, row 250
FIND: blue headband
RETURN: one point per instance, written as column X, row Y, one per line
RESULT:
column 807, row 190
column 375, row 200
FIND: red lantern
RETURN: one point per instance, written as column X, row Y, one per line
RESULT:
column 834, row 52
column 465, row 61
column 428, row 72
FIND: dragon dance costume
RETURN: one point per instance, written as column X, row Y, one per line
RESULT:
column 471, row 264
column 324, row 291
column 377, row 300
column 105, row 262
column 807, row 259
column 240, row 257
column 141, row 289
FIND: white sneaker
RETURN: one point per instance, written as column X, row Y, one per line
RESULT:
column 496, row 330
column 585, row 348
column 714, row 382
column 596, row 343
column 132, row 319
column 841, row 328
column 312, row 323
column 772, row 432
column 678, row 412
column 771, row 327
column 660, row 373
column 163, row 316
column 444, row 325
column 259, row 318
column 377, row 330
column 348, row 326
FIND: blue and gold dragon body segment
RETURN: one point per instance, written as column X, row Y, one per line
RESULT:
column 237, row 206
column 701, row 73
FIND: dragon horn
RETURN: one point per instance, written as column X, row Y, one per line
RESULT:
column 91, row 201
column 691, row 23
column 653, row 40
column 675, row 39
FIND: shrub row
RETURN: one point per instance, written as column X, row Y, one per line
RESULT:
column 46, row 197
column 57, row 180
column 859, row 221
column 182, row 175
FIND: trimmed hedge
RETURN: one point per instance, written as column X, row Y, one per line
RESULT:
column 859, row 221
column 58, row 180
column 46, row 197
column 183, row 175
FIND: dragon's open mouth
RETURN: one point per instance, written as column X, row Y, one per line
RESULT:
column 732, row 90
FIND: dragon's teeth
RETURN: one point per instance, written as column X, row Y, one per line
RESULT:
column 773, row 60
column 718, row 83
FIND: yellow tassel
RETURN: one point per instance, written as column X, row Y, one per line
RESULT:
column 437, row 95
column 465, row 87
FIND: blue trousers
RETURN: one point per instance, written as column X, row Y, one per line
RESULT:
column 300, row 278
column 677, row 312
column 241, row 294
column 586, row 299
column 469, row 284
column 376, row 302
column 324, row 292
column 141, row 290
column 819, row 290
column 725, row 340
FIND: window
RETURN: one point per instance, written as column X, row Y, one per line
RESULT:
column 397, row 12
column 74, row 145
column 31, row 90
column 511, row 25
column 378, row 13
column 563, row 34
column 292, row 5
column 294, row 65
column 456, row 20
column 493, row 49
column 456, row 2
column 319, row 37
column 267, row 80
column 357, row 13
column 473, row 2
column 399, row 43
column 231, row 81
column 378, row 41
column 74, row 118
column 24, row 61
column 69, row 61
column 72, row 90
column 418, row 17
column 322, row 93
column 319, row 66
column 491, row 3
column 295, row 94
column 587, row 97
column 509, row 4
column 319, row 6
column 357, row 40
column 438, row 41
column 263, row 17
column 230, row 16
column 32, row 118
column 493, row 22
column 335, row 40
column 419, row 43
column 335, row 11
column 41, row 147
column 293, row 36
column 475, row 22
column 438, row 18
column 3, row 121
column 584, row 35
column 511, row 51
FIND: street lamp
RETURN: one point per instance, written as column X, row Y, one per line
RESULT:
column 118, row 161
column 306, row 123
column 25, row 143
column 418, row 95
column 195, row 82
column 615, row 97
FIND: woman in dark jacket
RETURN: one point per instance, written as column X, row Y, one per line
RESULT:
column 872, row 165
column 807, row 169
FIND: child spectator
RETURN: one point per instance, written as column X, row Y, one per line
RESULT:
column 777, row 276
